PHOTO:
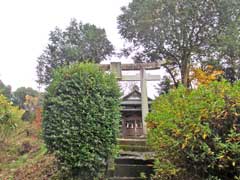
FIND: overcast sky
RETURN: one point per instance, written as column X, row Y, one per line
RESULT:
column 25, row 27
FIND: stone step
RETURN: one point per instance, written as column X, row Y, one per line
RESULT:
column 132, row 170
column 126, row 178
column 135, row 142
column 134, row 148
column 129, row 161
column 137, row 155
column 132, row 162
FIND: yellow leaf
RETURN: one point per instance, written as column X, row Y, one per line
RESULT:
column 233, row 163
column 197, row 130
column 204, row 136
column 210, row 153
column 221, row 157
column 184, row 145
column 205, row 76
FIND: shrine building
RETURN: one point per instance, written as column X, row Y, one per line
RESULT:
column 131, row 114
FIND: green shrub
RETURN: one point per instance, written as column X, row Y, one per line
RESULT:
column 196, row 133
column 10, row 118
column 81, row 118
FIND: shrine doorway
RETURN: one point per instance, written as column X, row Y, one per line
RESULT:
column 132, row 126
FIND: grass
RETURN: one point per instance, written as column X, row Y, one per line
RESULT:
column 26, row 158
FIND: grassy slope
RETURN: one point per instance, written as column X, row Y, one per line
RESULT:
column 24, row 156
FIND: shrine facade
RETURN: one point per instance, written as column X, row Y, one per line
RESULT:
column 131, row 115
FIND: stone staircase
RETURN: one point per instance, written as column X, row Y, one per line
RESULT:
column 134, row 161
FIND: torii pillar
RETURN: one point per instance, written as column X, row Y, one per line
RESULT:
column 144, row 98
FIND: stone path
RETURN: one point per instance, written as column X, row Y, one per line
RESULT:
column 134, row 160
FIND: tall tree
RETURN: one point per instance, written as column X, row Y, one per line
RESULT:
column 77, row 43
column 164, row 86
column 180, row 32
column 229, row 51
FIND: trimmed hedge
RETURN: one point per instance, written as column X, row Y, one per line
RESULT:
column 81, row 116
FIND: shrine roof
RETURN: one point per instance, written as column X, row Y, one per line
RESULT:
column 133, row 98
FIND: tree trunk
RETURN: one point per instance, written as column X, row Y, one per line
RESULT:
column 171, row 74
column 185, row 71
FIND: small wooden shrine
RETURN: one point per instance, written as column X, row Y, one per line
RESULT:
column 131, row 124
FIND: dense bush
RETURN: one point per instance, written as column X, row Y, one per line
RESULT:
column 81, row 118
column 196, row 133
column 10, row 117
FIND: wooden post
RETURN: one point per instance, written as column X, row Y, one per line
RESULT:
column 144, row 99
column 115, row 67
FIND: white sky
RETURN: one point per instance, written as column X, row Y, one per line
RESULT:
column 25, row 27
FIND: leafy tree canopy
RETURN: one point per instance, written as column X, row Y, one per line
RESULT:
column 6, row 90
column 181, row 32
column 77, row 43
column 19, row 96
column 229, row 51
column 164, row 86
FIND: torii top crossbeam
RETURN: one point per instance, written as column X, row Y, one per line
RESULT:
column 132, row 67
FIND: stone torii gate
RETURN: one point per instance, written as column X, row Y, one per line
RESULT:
column 142, row 76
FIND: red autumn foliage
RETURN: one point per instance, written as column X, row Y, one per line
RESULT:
column 38, row 118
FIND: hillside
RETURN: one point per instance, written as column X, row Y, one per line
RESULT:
column 24, row 156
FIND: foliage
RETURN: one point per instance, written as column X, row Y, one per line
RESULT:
column 5, row 90
column 19, row 96
column 27, row 99
column 38, row 118
column 196, row 133
column 181, row 33
column 77, row 43
column 164, row 86
column 10, row 117
column 81, row 118
column 206, row 76
column 31, row 103
column 229, row 48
